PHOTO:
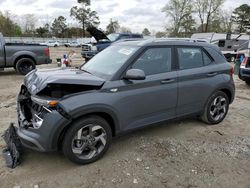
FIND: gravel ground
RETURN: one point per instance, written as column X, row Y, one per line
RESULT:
column 186, row 153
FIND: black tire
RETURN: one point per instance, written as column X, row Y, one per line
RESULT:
column 82, row 126
column 221, row 109
column 248, row 83
column 25, row 65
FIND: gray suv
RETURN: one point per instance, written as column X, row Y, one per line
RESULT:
column 127, row 86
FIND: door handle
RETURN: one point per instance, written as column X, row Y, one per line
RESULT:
column 167, row 81
column 211, row 74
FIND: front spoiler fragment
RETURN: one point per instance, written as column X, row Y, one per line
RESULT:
column 12, row 152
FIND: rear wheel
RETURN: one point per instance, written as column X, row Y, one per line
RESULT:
column 25, row 65
column 216, row 108
column 87, row 140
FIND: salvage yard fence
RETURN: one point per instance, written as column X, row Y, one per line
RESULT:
column 43, row 40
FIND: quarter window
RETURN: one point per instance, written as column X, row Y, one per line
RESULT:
column 206, row 59
column 154, row 61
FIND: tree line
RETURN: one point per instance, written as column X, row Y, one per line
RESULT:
column 211, row 16
column 184, row 18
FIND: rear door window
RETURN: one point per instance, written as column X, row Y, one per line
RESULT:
column 190, row 58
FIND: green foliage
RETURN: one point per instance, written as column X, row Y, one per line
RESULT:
column 146, row 32
column 187, row 26
column 241, row 16
column 42, row 31
column 8, row 27
column 84, row 15
column 73, row 32
column 160, row 34
column 112, row 27
column 59, row 26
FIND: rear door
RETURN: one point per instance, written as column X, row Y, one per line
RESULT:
column 198, row 76
column 151, row 100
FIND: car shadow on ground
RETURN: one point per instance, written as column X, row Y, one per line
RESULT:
column 120, row 144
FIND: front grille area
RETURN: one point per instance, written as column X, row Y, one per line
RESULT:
column 33, row 113
column 86, row 48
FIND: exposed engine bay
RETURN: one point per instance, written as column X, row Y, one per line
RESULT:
column 60, row 90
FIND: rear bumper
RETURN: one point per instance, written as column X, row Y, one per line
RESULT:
column 244, row 74
column 41, row 61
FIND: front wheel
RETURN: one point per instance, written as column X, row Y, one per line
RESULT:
column 216, row 108
column 87, row 140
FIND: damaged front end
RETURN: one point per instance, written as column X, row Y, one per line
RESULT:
column 31, row 110
column 40, row 115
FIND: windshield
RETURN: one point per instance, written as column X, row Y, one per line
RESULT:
column 113, row 37
column 106, row 63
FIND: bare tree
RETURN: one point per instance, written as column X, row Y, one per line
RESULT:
column 124, row 29
column 29, row 23
column 113, row 26
column 206, row 9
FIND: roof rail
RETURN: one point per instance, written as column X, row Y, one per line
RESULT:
column 179, row 39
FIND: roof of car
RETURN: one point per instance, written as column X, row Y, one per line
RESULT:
column 128, row 34
column 167, row 41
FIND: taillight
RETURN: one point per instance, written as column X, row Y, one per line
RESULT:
column 46, row 51
column 243, row 63
column 231, row 71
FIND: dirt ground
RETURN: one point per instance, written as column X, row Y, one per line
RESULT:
column 185, row 153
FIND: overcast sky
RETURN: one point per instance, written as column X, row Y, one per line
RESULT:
column 135, row 14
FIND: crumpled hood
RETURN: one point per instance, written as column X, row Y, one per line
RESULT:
column 35, row 81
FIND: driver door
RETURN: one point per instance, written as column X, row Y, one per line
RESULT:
column 154, row 99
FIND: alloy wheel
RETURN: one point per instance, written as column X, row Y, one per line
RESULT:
column 89, row 141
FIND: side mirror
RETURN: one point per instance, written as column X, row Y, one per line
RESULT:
column 135, row 74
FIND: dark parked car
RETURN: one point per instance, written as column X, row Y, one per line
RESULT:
column 127, row 86
column 244, row 72
column 91, row 49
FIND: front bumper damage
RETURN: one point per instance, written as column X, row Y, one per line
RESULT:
column 12, row 153
column 38, row 129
